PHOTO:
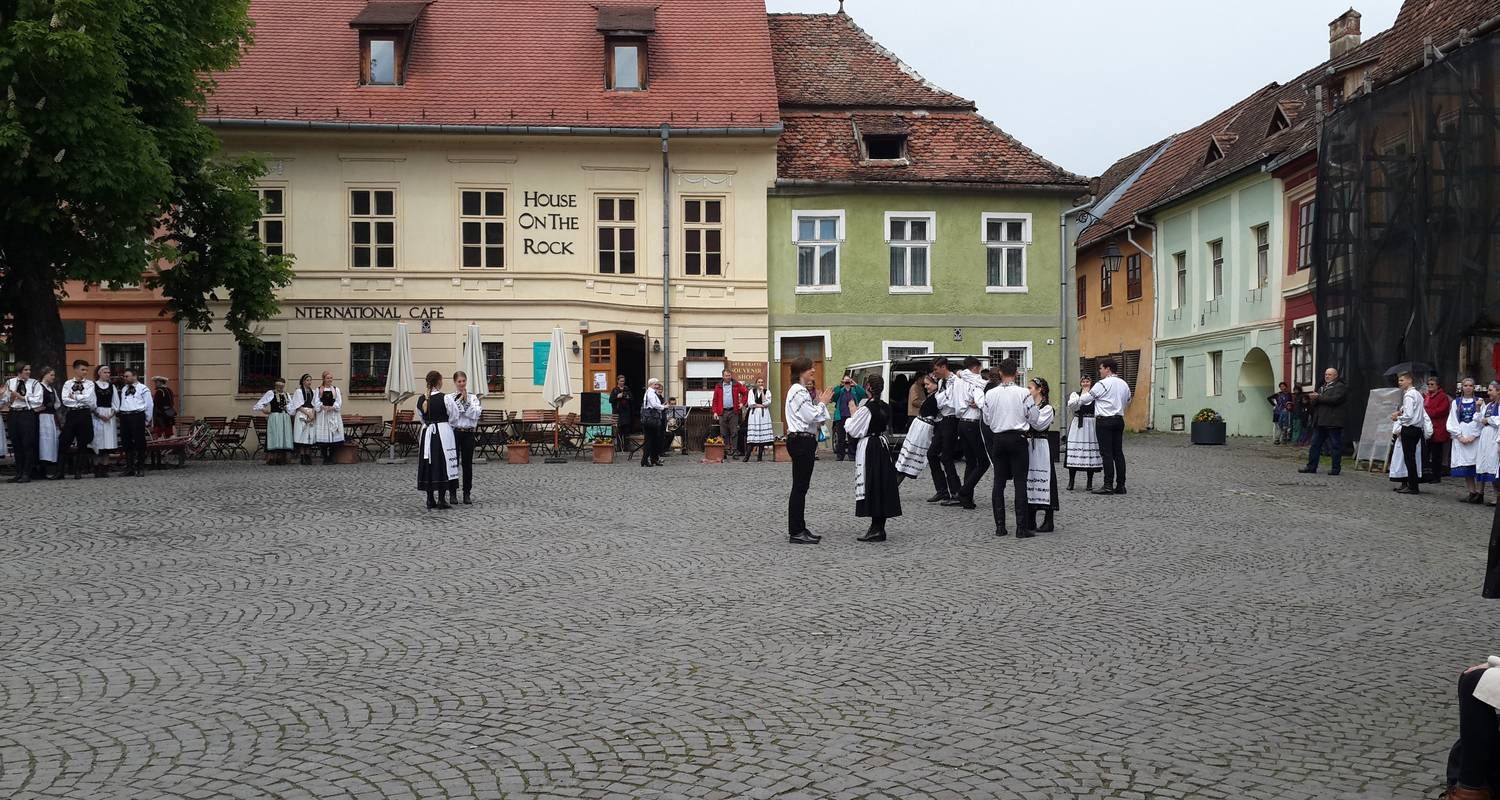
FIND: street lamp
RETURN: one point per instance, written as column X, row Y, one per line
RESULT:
column 1112, row 257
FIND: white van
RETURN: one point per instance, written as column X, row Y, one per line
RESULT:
column 898, row 376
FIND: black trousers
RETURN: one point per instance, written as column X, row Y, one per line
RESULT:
column 133, row 438
column 802, row 449
column 651, row 450
column 1435, row 456
column 25, row 437
column 942, row 455
column 1478, row 749
column 1324, row 437
column 1011, row 457
column 972, row 440
column 622, row 432
column 464, row 439
column 1411, row 436
column 77, row 431
column 1111, row 431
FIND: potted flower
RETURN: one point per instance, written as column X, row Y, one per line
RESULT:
column 604, row 450
column 1208, row 427
column 782, row 456
column 518, row 451
column 713, row 450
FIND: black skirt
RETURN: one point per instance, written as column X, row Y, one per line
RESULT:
column 432, row 473
column 1492, row 569
column 882, row 483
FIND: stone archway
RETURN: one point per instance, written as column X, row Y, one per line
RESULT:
column 1257, row 381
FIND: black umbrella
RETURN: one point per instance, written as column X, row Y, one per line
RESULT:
column 1416, row 368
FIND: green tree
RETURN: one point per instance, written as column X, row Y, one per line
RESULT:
column 105, row 169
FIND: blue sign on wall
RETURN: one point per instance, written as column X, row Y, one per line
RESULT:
column 540, row 352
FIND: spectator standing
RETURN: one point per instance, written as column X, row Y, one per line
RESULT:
column 163, row 408
column 915, row 397
column 728, row 404
column 846, row 400
column 1327, row 426
column 653, row 423
column 622, row 402
column 1437, row 402
column 1281, row 413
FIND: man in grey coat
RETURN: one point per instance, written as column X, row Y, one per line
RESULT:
column 1328, row 421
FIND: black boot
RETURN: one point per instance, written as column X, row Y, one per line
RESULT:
column 1090, row 486
column 431, row 501
column 876, row 533
column 1024, row 524
column 1072, row 479
column 1046, row 526
column 467, row 500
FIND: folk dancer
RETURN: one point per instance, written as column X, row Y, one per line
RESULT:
column 4, row 406
column 803, row 416
column 463, row 418
column 1111, row 398
column 276, row 406
column 945, row 449
column 877, row 485
column 1041, row 475
column 1083, row 439
column 919, row 434
column 653, row 424
column 106, row 426
column 136, row 407
column 759, row 432
column 78, row 403
column 25, row 398
column 1008, row 409
column 1487, row 468
column 1407, row 432
column 305, row 418
column 1465, row 424
column 328, row 430
column 967, row 396
column 47, row 428
column 437, row 469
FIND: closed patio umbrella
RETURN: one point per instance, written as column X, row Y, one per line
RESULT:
column 474, row 367
column 400, row 381
column 557, row 387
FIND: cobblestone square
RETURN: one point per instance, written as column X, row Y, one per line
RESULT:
column 1229, row 629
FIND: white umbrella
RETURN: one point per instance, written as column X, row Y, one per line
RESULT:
column 400, row 380
column 557, row 388
column 479, row 379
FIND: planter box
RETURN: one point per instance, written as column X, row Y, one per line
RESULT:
column 713, row 453
column 782, row 456
column 518, row 453
column 346, row 453
column 1208, row 432
column 604, row 454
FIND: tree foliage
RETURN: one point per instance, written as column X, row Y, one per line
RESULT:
column 105, row 168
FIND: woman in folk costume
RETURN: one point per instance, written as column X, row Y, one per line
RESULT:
column 1041, row 476
column 1083, row 441
column 106, row 427
column 328, row 429
column 47, row 430
column 437, row 469
column 758, row 429
column 877, row 485
column 1487, row 467
column 276, row 406
column 305, row 418
column 1464, row 424
column 913, row 457
column 4, row 406
column 464, row 412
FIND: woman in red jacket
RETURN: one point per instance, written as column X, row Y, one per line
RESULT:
column 1437, row 403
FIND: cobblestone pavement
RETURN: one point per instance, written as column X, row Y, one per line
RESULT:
column 1229, row 629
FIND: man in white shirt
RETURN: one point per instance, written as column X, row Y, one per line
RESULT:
column 78, row 401
column 1409, row 420
column 945, row 444
column 968, row 400
column 1111, row 398
column 25, row 402
column 135, row 409
column 1008, row 412
column 803, row 416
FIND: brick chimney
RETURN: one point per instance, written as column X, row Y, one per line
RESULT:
column 1343, row 33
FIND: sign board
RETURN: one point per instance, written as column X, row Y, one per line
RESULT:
column 601, row 381
column 540, row 352
column 1374, row 443
column 748, row 372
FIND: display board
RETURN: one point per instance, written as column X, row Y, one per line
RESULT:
column 1374, row 443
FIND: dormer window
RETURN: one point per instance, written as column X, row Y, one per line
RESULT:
column 1279, row 121
column 885, row 146
column 626, row 30
column 1215, row 153
column 385, row 30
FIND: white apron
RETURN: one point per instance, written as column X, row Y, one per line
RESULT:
column 758, row 428
column 1460, row 454
column 1039, row 473
column 913, row 458
column 444, row 432
column 1488, row 460
column 46, row 437
column 106, row 430
column 4, row 447
column 1397, row 461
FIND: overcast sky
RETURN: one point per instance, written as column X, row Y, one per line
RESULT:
column 1084, row 82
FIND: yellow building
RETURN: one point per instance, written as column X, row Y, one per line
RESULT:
column 405, row 192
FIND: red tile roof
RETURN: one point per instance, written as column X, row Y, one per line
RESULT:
column 518, row 62
column 1419, row 19
column 826, row 60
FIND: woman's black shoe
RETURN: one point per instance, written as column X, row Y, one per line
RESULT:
column 1001, row 531
column 467, row 500
column 431, row 503
column 872, row 536
column 801, row 538
column 443, row 504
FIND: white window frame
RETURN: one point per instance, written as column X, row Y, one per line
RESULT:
column 1013, row 345
column 1262, row 255
column 885, row 347
column 929, row 217
column 638, row 269
column 1176, row 375
column 1179, row 280
column 145, row 357
column 1025, row 244
column 1209, row 387
column 703, row 227
column 838, row 251
column 1310, row 347
column 373, row 219
column 284, row 217
column 483, row 353
column 1215, row 271
column 484, row 219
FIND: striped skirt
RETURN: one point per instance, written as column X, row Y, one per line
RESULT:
column 329, row 427
column 913, row 457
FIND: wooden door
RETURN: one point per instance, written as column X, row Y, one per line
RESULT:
column 601, row 354
column 811, row 348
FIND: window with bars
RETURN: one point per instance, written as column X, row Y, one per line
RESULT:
column 494, row 367
column 1005, row 253
column 1179, row 261
column 1083, row 294
column 818, row 237
column 260, row 366
column 368, row 364
column 1216, row 259
column 481, row 225
column 1305, row 215
column 1106, row 288
column 270, row 229
column 703, row 236
column 1021, row 353
column 616, row 221
column 1302, row 355
column 1262, row 256
column 1133, row 277
column 905, row 352
column 910, row 241
column 372, row 228
column 121, row 356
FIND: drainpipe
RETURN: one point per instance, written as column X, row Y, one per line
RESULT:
column 1062, row 310
column 1155, row 317
column 666, row 265
column 181, row 365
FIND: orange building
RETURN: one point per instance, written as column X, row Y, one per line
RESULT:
column 121, row 327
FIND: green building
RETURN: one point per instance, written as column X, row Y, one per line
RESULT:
column 902, row 222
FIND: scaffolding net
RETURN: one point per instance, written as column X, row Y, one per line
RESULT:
column 1405, row 245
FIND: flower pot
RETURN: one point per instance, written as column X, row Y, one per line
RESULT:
column 782, row 456
column 713, row 453
column 346, row 453
column 604, row 453
column 1208, row 432
column 518, row 453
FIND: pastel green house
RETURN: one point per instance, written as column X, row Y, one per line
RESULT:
column 901, row 221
